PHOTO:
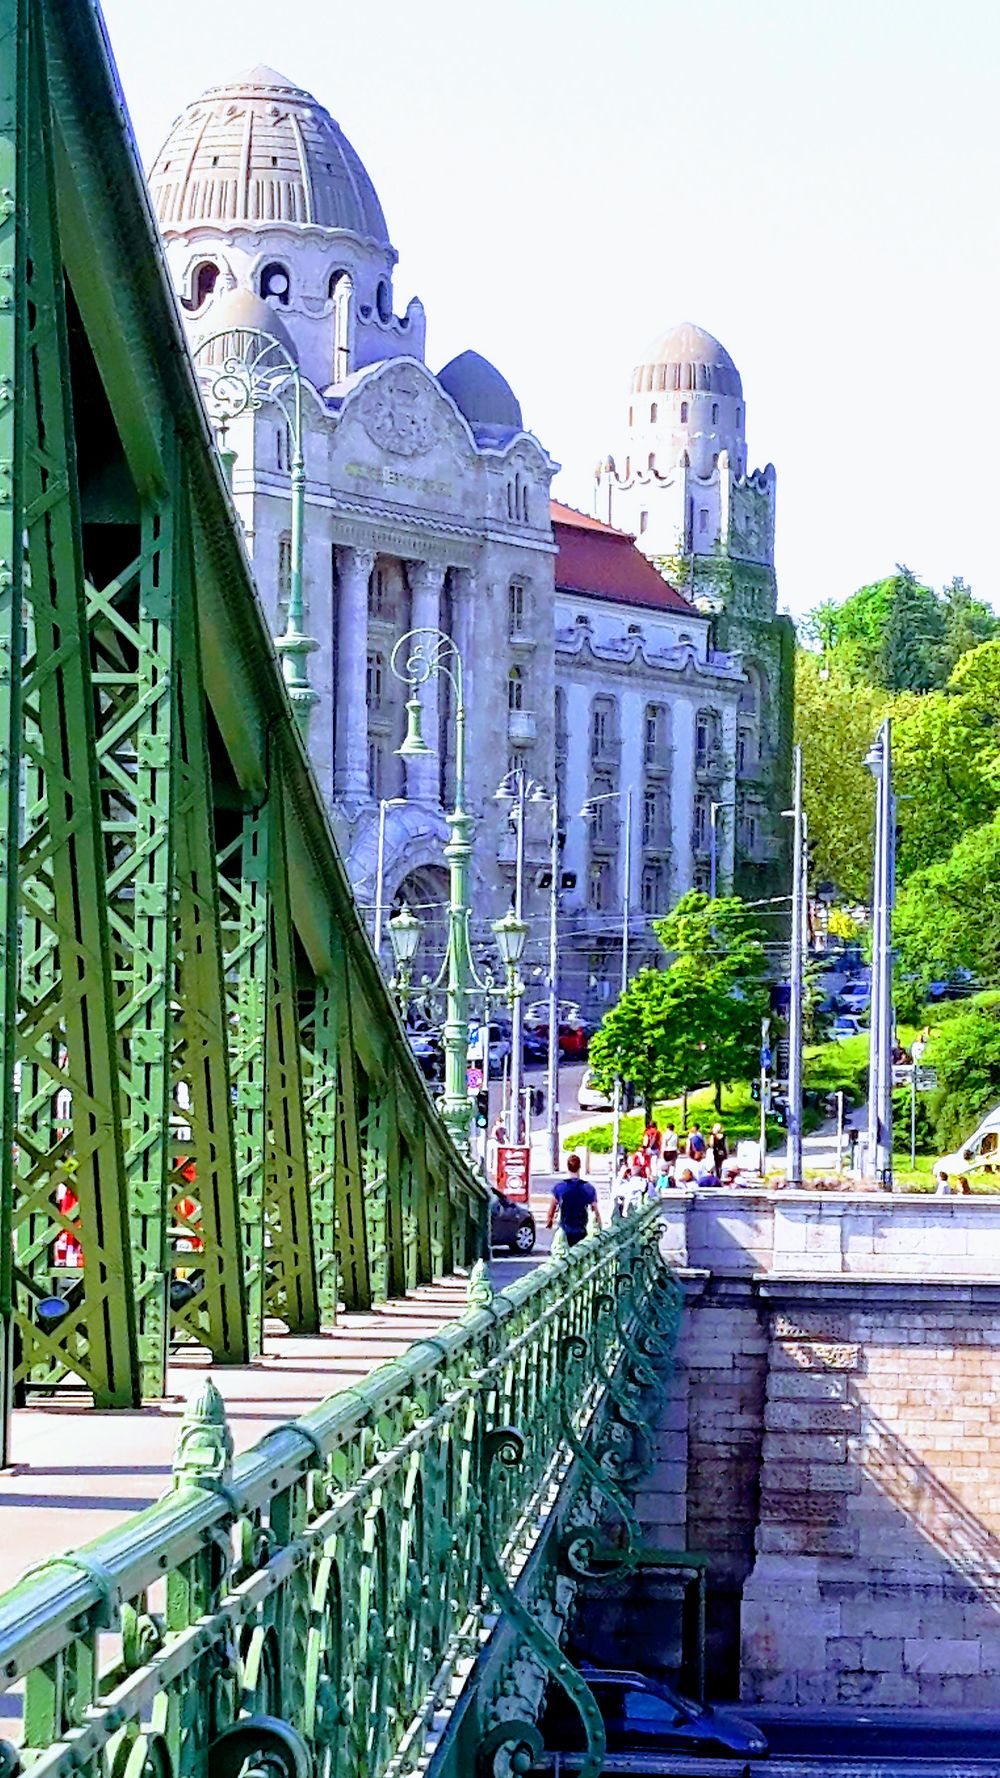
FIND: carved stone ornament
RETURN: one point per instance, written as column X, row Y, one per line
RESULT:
column 398, row 414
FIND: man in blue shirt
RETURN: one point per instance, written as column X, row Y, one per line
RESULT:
column 572, row 1198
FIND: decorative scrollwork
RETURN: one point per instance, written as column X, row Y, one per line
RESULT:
column 245, row 379
column 258, row 1747
column 505, row 1445
column 579, row 1544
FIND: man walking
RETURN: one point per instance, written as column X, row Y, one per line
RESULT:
column 572, row 1198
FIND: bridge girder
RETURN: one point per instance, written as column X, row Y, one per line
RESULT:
column 210, row 1111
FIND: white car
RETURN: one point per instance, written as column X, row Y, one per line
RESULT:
column 590, row 1097
column 846, row 1024
column 980, row 1152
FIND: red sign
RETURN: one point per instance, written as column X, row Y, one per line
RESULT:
column 514, row 1171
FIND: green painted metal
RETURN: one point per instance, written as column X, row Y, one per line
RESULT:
column 339, row 1576
column 210, row 1111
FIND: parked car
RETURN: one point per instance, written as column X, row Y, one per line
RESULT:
column 429, row 1053
column 846, row 1024
column 536, row 1046
column 644, row 1715
column 590, row 1097
column 511, row 1225
column 982, row 1151
column 856, row 997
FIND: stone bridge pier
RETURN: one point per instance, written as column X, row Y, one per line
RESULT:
column 832, row 1444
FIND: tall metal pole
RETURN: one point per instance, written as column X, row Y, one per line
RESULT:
column 455, row 1105
column 626, row 891
column 886, row 1030
column 793, row 1168
column 713, row 812
column 765, row 1056
column 379, row 880
column 875, row 1003
column 515, row 1123
column 552, row 1119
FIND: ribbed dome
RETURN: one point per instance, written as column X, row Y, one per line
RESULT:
column 687, row 357
column 260, row 151
column 480, row 392
column 237, row 314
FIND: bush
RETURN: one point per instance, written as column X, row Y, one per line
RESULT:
column 965, row 1051
column 926, row 1134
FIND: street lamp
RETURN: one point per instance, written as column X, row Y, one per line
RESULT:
column 238, row 385
column 422, row 654
column 404, row 933
column 588, row 813
column 518, row 789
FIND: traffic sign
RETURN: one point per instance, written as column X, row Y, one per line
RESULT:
column 765, row 1056
column 473, row 1079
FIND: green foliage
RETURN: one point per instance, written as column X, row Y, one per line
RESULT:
column 899, row 635
column 839, row 1068
column 926, row 1133
column 948, row 914
column 835, row 722
column 946, row 757
column 965, row 1051
column 698, row 1018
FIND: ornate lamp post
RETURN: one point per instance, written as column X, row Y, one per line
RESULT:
column 518, row 789
column 240, row 384
column 419, row 655
column 404, row 932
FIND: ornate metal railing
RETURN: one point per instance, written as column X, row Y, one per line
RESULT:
column 321, row 1600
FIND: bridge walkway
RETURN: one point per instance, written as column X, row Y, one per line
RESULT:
column 81, row 1471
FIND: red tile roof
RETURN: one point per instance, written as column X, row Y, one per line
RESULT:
column 596, row 559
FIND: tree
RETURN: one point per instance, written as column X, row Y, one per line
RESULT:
column 836, row 721
column 948, row 914
column 890, row 634
column 968, row 622
column 696, row 1019
column 716, row 949
column 648, row 1038
column 946, row 755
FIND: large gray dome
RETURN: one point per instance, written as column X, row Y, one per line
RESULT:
column 481, row 393
column 260, row 151
column 686, row 357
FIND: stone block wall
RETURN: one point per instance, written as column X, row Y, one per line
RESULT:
column 877, row 1579
column 830, row 1445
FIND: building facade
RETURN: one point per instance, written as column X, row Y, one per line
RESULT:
column 680, row 485
column 427, row 506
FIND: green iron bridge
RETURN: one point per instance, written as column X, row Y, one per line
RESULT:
column 212, row 1123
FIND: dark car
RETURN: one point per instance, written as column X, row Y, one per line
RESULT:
column 511, row 1225
column 536, row 1046
column 647, row 1715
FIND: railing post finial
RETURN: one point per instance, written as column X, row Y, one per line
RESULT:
column 479, row 1292
column 204, row 1454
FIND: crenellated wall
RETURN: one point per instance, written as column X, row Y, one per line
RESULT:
column 831, row 1443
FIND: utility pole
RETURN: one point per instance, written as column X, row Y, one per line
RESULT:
column 793, row 1167
column 514, row 1125
column 765, row 1064
column 879, row 1158
column 552, row 1114
column 626, row 892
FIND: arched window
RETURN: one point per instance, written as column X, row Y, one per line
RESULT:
column 383, row 300
column 630, row 416
column 524, row 501
column 515, row 689
column 274, row 281
column 651, row 460
column 516, row 607
column 653, row 412
column 510, row 500
column 739, row 416
column 684, row 413
column 715, row 413
column 341, row 293
column 203, row 281
column 628, row 467
column 643, row 521
column 715, row 459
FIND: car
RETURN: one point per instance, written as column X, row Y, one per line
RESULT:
column 981, row 1153
column 428, row 1052
column 856, row 997
column 590, row 1097
column 511, row 1225
column 535, row 1046
column 644, row 1715
column 846, row 1024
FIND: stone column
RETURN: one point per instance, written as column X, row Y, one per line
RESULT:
column 683, row 789
column 423, row 776
column 354, row 570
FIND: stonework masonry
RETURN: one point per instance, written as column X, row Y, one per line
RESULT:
column 831, row 1444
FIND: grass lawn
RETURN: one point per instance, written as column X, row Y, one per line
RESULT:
column 740, row 1118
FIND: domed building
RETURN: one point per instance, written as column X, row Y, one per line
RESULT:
column 680, row 484
column 426, row 499
column 426, row 506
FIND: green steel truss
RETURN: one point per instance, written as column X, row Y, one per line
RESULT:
column 210, row 1112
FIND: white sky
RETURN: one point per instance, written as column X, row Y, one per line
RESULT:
column 563, row 179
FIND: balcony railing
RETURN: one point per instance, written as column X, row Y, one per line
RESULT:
column 311, row 1605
